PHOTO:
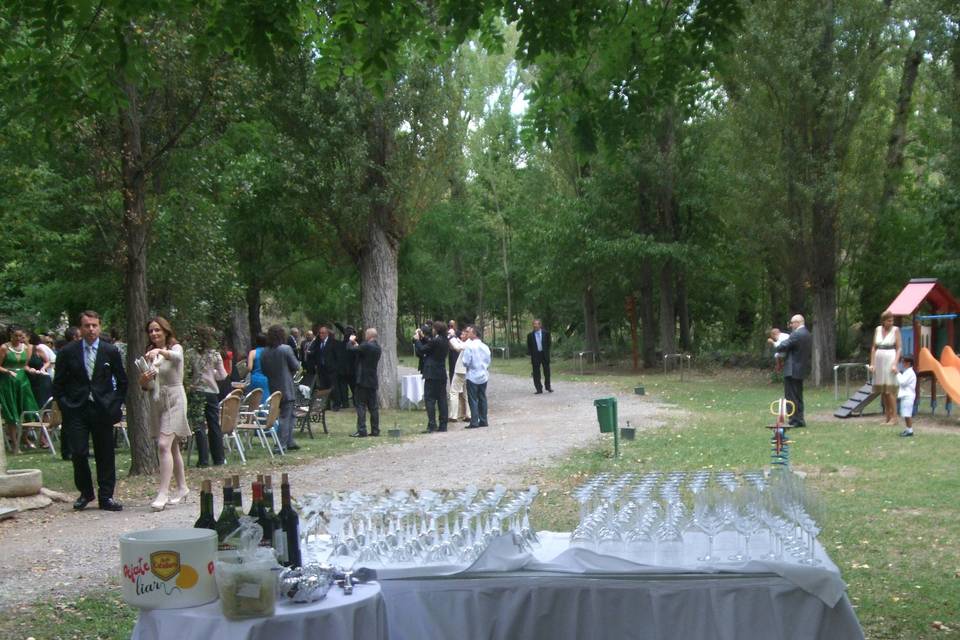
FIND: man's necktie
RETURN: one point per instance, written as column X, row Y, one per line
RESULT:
column 91, row 359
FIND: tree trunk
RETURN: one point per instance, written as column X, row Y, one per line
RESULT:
column 239, row 332
column 253, row 311
column 666, row 210
column 504, row 254
column 668, row 313
column 378, row 284
column 683, row 313
column 901, row 115
column 647, row 322
column 591, row 333
column 136, row 225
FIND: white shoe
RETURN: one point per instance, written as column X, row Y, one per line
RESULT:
column 159, row 503
column 180, row 496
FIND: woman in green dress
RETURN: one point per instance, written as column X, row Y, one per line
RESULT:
column 16, row 395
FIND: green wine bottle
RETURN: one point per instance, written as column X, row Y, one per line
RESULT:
column 206, row 520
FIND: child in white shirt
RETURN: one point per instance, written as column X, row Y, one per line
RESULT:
column 775, row 338
column 907, row 394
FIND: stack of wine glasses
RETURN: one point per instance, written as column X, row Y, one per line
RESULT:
column 408, row 528
column 657, row 517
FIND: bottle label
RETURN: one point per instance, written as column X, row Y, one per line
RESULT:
column 280, row 545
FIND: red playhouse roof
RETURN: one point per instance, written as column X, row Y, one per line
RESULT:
column 920, row 290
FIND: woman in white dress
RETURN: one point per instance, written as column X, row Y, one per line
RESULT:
column 457, row 402
column 884, row 356
column 168, row 408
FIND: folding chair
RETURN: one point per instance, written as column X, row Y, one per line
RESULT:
column 250, row 406
column 47, row 418
column 229, row 417
column 121, row 428
column 314, row 411
column 263, row 423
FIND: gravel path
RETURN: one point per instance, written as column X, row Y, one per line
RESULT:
column 56, row 551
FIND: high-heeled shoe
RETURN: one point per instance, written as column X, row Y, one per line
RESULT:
column 159, row 503
column 180, row 496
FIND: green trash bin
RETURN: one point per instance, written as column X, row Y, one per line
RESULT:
column 606, row 414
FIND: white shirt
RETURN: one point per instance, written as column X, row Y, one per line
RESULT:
column 476, row 359
column 907, row 380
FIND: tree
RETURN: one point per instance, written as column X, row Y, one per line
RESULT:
column 121, row 64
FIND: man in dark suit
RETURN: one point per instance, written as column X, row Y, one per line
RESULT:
column 538, row 348
column 89, row 386
column 365, row 392
column 346, row 369
column 279, row 364
column 433, row 348
column 798, row 349
column 322, row 360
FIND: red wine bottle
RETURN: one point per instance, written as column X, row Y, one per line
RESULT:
column 290, row 522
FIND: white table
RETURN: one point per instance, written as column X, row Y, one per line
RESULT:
column 691, row 607
column 561, row 592
column 361, row 616
column 411, row 391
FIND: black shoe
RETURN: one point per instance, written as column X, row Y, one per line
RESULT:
column 537, row 392
column 359, row 434
column 293, row 447
column 110, row 505
column 428, row 430
column 375, row 434
column 219, row 463
column 484, row 424
column 442, row 430
column 201, row 465
column 472, row 426
column 549, row 390
column 799, row 423
column 82, row 502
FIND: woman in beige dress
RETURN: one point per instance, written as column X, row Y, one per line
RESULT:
column 884, row 356
column 168, row 408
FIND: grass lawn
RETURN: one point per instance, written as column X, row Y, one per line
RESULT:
column 893, row 519
column 893, row 524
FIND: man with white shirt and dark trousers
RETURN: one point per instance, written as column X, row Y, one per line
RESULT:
column 538, row 348
column 476, row 360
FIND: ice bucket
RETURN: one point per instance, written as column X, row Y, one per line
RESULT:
column 168, row 568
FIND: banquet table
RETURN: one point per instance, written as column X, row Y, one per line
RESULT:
column 411, row 391
column 558, row 591
column 361, row 616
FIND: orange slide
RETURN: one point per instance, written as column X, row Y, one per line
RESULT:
column 946, row 371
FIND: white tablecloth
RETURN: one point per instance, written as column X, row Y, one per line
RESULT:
column 562, row 592
column 411, row 390
column 574, row 607
column 361, row 616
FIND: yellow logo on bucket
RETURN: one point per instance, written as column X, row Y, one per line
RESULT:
column 165, row 564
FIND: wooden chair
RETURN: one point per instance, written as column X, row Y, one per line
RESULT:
column 47, row 419
column 263, row 422
column 314, row 411
column 250, row 405
column 229, row 418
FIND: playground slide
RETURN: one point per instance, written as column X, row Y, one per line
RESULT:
column 947, row 376
column 948, row 358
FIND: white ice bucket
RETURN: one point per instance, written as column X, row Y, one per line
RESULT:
column 168, row 568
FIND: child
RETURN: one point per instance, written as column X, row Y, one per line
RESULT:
column 907, row 394
column 775, row 337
